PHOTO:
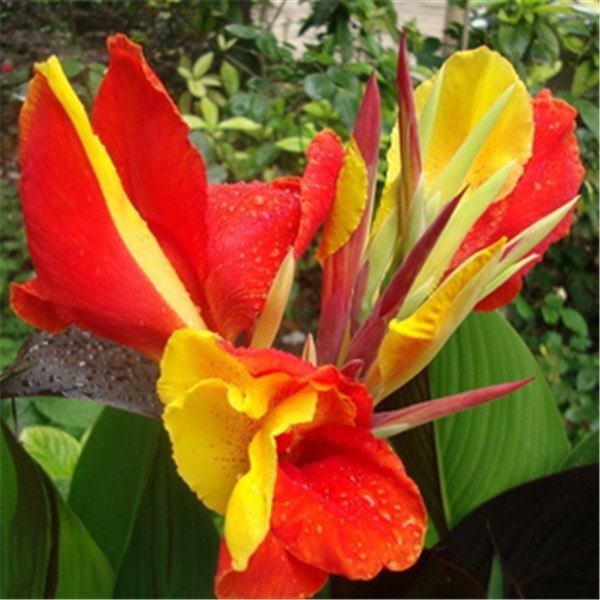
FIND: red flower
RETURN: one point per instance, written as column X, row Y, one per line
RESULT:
column 127, row 238
column 288, row 458
column 552, row 177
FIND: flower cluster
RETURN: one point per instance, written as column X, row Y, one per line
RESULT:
column 130, row 241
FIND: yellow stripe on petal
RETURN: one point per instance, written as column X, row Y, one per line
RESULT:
column 349, row 204
column 410, row 344
column 472, row 81
column 389, row 196
column 131, row 227
column 248, row 515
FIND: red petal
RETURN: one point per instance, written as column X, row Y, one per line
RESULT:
column 551, row 178
column 251, row 226
column 347, row 506
column 29, row 304
column 272, row 573
column 341, row 398
column 163, row 174
column 84, row 268
column 325, row 157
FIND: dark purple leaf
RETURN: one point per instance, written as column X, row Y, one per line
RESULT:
column 76, row 364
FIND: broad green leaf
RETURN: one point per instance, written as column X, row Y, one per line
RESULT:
column 54, row 450
column 46, row 551
column 174, row 547
column 492, row 448
column 26, row 524
column 83, row 570
column 111, row 476
column 202, row 65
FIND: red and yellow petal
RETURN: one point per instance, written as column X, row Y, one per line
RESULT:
column 162, row 173
column 272, row 573
column 552, row 177
column 346, row 505
column 325, row 159
column 97, row 262
column 251, row 227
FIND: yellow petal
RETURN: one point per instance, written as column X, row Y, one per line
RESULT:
column 192, row 356
column 134, row 231
column 412, row 343
column 349, row 204
column 249, row 510
column 210, row 440
column 473, row 80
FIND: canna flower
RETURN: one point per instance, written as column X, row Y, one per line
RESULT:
column 481, row 180
column 127, row 237
column 283, row 450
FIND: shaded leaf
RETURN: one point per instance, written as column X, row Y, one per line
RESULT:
column 545, row 534
column 47, row 551
column 76, row 364
column 174, row 546
column 111, row 476
column 26, row 525
column 431, row 577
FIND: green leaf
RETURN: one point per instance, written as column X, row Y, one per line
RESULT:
column 231, row 78
column 46, row 551
column 585, row 453
column 548, row 38
column 295, row 144
column 111, row 476
column 585, row 77
column 72, row 67
column 174, row 547
column 26, row 524
column 196, row 88
column 319, row 86
column 83, row 570
column 588, row 112
column 239, row 124
column 54, row 450
column 210, row 111
column 574, row 321
column 587, row 378
column 494, row 447
column 185, row 72
column 202, row 65
column 70, row 412
column 241, row 31
column 194, row 122
column 513, row 40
